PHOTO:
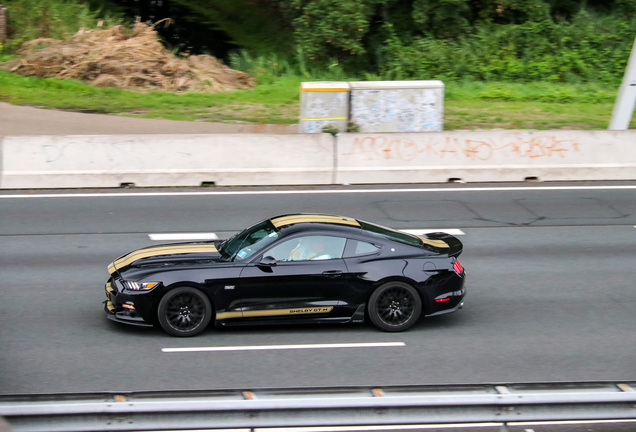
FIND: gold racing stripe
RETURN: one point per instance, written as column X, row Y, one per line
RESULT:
column 288, row 220
column 158, row 251
column 274, row 312
column 435, row 243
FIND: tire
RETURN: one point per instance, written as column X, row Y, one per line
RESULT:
column 184, row 311
column 395, row 306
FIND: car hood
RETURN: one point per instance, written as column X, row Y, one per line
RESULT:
column 173, row 253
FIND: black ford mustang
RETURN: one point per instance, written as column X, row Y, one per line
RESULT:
column 298, row 268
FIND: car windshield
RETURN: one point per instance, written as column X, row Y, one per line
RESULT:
column 391, row 234
column 249, row 241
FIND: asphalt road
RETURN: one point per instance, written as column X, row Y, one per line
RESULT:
column 550, row 290
column 25, row 120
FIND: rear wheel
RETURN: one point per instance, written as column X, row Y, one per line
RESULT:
column 394, row 306
column 184, row 311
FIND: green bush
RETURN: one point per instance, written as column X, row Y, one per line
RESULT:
column 590, row 48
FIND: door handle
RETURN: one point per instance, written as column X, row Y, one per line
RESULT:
column 332, row 273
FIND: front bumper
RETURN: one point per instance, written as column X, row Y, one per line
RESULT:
column 121, row 307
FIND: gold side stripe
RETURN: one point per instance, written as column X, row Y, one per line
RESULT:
column 274, row 312
column 288, row 220
column 435, row 243
column 110, row 306
column 228, row 315
column 158, row 251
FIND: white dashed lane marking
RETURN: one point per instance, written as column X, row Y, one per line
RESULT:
column 285, row 347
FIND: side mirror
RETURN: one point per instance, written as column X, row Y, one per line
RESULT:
column 268, row 261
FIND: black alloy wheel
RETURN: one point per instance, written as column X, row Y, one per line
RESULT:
column 395, row 306
column 184, row 311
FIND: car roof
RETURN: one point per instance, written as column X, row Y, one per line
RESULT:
column 303, row 218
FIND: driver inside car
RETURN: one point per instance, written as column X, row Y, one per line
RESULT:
column 311, row 249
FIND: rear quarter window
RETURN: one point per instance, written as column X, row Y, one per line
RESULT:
column 359, row 248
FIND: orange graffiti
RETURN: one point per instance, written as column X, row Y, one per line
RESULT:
column 382, row 147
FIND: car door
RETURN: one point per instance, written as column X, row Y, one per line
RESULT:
column 298, row 278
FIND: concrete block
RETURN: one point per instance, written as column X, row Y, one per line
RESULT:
column 323, row 104
column 166, row 160
column 481, row 156
column 397, row 106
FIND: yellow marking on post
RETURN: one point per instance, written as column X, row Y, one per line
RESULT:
column 377, row 392
column 158, row 251
column 294, row 219
column 248, row 395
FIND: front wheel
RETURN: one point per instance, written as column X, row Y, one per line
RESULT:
column 184, row 311
column 394, row 306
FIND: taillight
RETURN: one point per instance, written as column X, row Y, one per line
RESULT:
column 458, row 267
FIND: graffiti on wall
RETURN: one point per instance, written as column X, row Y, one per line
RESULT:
column 404, row 110
column 378, row 147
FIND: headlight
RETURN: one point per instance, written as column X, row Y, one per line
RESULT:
column 139, row 286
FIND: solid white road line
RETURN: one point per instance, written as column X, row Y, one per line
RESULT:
column 183, row 236
column 285, row 347
column 571, row 422
column 458, row 426
column 323, row 191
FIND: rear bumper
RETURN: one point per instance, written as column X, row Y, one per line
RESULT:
column 446, row 311
column 448, row 301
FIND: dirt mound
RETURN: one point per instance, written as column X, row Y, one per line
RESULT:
column 125, row 58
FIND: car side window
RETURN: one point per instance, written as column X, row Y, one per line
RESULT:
column 359, row 248
column 308, row 248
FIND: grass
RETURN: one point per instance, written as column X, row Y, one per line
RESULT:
column 467, row 105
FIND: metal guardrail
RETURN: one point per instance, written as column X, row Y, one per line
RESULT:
column 329, row 407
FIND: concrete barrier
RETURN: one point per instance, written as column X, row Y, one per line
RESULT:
column 473, row 156
column 83, row 161
column 165, row 160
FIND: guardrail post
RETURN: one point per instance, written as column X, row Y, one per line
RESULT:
column 3, row 23
column 626, row 99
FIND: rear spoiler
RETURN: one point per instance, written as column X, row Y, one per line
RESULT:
column 455, row 246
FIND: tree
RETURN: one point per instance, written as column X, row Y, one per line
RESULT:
column 260, row 26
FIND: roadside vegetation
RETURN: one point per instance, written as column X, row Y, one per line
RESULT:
column 468, row 105
column 512, row 70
